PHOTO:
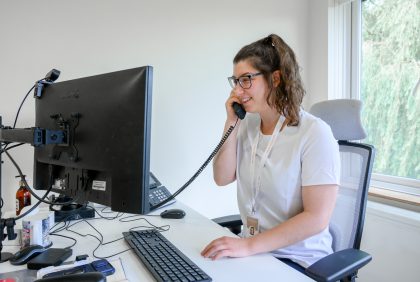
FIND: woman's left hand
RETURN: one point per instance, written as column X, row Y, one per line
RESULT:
column 227, row 247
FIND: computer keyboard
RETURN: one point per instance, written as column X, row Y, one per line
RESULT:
column 164, row 261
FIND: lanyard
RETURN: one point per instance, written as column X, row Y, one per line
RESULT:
column 256, row 177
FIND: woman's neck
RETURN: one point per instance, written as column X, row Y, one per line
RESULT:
column 268, row 121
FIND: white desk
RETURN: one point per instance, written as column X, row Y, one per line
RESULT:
column 190, row 234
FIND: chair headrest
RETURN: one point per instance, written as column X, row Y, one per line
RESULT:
column 343, row 116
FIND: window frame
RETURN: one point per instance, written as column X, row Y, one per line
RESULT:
column 344, row 79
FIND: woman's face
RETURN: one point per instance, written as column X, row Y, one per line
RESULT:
column 254, row 99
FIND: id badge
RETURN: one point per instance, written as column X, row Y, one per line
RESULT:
column 252, row 226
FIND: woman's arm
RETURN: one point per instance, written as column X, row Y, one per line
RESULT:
column 318, row 205
column 224, row 163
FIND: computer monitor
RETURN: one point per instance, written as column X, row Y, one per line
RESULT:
column 107, row 122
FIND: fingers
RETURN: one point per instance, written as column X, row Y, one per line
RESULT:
column 221, row 254
column 214, row 249
column 229, row 109
column 234, row 97
column 222, row 247
column 233, row 93
column 211, row 249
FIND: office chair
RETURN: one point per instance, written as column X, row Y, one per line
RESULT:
column 346, row 225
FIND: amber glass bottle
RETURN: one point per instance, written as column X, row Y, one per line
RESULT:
column 23, row 197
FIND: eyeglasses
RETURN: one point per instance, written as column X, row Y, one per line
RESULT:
column 245, row 81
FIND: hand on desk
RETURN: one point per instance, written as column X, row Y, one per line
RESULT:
column 227, row 247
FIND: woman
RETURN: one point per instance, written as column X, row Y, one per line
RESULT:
column 285, row 161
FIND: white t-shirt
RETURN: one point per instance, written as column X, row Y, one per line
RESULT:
column 302, row 155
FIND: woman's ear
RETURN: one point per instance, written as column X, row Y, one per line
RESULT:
column 276, row 78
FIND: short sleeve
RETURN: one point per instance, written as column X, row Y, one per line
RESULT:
column 320, row 156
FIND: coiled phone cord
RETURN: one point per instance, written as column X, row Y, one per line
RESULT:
column 203, row 166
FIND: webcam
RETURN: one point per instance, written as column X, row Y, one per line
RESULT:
column 49, row 78
column 52, row 75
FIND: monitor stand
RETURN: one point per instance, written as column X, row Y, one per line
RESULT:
column 71, row 211
column 4, row 256
column 6, row 223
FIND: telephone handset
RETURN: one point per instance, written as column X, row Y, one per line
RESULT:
column 239, row 110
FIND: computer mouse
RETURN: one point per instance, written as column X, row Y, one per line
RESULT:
column 173, row 213
column 25, row 254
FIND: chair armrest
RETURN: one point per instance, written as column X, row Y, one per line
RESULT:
column 338, row 265
column 228, row 221
column 232, row 222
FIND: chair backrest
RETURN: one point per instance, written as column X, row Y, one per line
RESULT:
column 343, row 116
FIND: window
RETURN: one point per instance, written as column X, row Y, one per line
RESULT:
column 374, row 51
column 389, row 89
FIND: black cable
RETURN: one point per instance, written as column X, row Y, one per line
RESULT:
column 1, row 152
column 99, row 213
column 34, row 206
column 14, row 125
column 85, row 235
column 140, row 215
column 110, row 256
column 100, row 239
column 68, row 237
column 40, row 200
column 21, row 104
column 59, row 229
column 23, row 178
column 26, row 96
column 104, row 208
column 11, row 147
column 119, row 214
column 203, row 166
column 30, row 189
column 136, row 217
column 162, row 228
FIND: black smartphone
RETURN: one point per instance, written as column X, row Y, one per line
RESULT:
column 239, row 110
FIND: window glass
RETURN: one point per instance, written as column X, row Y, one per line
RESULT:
column 390, row 73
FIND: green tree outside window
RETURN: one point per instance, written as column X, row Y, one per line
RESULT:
column 390, row 81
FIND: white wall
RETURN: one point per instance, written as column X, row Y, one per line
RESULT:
column 391, row 235
column 189, row 43
column 317, row 52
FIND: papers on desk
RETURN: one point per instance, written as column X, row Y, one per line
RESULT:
column 118, row 276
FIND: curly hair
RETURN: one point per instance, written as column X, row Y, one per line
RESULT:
column 268, row 55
